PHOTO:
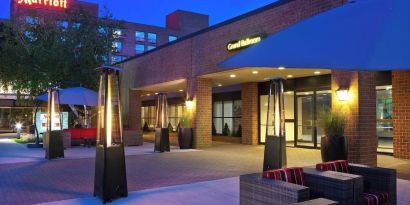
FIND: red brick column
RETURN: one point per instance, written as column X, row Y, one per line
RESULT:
column 200, row 91
column 135, row 105
column 360, row 111
column 250, row 113
column 401, row 114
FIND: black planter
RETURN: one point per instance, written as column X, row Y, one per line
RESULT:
column 185, row 138
column 333, row 148
column 161, row 140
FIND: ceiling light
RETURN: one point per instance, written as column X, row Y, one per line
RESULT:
column 181, row 90
column 219, row 85
column 281, row 68
column 232, row 76
column 255, row 72
column 317, row 72
column 156, row 93
column 290, row 76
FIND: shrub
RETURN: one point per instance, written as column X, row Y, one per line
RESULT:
column 226, row 131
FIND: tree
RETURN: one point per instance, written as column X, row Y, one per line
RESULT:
column 226, row 131
column 38, row 53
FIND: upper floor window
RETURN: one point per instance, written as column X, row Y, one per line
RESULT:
column 172, row 38
column 152, row 37
column 117, row 58
column 63, row 24
column 118, row 33
column 76, row 25
column 117, row 46
column 140, row 35
column 151, row 47
column 102, row 30
column 31, row 20
column 139, row 48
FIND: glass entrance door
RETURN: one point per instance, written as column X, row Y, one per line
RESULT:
column 305, row 119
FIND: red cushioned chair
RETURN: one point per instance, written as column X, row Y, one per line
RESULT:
column 379, row 186
column 84, row 136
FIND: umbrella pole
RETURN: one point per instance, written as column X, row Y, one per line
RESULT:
column 37, row 143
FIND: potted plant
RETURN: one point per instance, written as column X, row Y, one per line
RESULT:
column 185, row 133
column 226, row 131
column 334, row 145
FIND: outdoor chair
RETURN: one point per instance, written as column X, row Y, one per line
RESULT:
column 379, row 184
column 281, row 186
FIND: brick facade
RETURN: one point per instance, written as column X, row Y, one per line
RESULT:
column 134, row 117
column 201, row 113
column 250, row 113
column 360, row 111
column 401, row 114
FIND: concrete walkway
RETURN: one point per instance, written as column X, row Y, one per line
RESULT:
column 216, row 192
column 11, row 152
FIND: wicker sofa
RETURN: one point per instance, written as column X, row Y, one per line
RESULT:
column 377, row 187
column 257, row 189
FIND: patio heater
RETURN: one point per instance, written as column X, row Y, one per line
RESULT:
column 161, row 125
column 53, row 138
column 110, row 180
column 275, row 149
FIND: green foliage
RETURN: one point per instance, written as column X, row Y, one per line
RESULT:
column 146, row 127
column 239, row 131
column 44, row 52
column 332, row 123
column 226, row 131
column 185, row 121
column 213, row 129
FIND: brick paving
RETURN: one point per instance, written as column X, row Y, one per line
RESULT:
column 44, row 181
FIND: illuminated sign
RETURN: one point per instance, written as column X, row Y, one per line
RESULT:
column 243, row 43
column 50, row 3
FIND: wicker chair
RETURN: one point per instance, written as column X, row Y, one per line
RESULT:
column 375, row 179
column 257, row 190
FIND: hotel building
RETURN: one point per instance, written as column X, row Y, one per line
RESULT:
column 133, row 39
column 187, row 70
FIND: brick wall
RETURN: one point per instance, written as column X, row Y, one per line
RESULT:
column 401, row 114
column 202, row 112
column 360, row 111
column 134, row 117
column 250, row 113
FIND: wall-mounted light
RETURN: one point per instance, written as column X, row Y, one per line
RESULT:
column 342, row 94
column 189, row 104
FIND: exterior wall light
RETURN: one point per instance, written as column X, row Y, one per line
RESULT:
column 189, row 104
column 342, row 94
column 110, row 180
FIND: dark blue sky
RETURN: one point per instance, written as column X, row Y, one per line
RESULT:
column 153, row 11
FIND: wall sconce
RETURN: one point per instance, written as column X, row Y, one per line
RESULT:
column 110, row 180
column 343, row 94
column 189, row 104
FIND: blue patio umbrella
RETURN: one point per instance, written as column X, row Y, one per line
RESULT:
column 75, row 96
column 368, row 35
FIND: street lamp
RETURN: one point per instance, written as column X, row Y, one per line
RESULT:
column 110, row 180
column 53, row 138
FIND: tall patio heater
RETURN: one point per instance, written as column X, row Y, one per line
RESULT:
column 161, row 125
column 110, row 180
column 53, row 138
column 275, row 145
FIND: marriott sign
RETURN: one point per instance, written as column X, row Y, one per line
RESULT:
column 48, row 3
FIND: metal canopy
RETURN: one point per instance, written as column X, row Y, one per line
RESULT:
column 370, row 35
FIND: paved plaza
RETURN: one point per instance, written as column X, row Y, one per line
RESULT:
column 177, row 177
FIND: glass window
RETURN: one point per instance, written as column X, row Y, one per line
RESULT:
column 31, row 20
column 63, row 24
column 102, row 30
column 384, row 114
column 151, row 47
column 172, row 38
column 76, row 25
column 152, row 37
column 139, row 48
column 117, row 46
column 117, row 33
column 139, row 35
column 227, row 118
column 117, row 58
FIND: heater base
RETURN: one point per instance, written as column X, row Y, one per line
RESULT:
column 110, row 180
column 161, row 140
column 53, row 144
column 275, row 153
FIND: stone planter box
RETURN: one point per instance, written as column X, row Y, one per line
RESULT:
column 132, row 137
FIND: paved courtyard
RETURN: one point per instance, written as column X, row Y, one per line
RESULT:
column 151, row 176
